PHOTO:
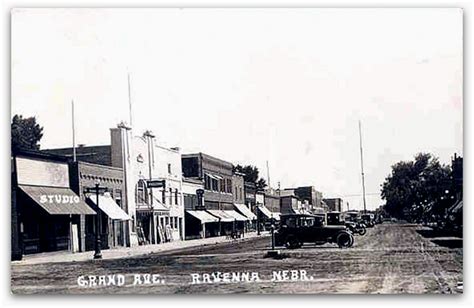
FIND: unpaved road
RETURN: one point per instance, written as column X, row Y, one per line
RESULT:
column 390, row 258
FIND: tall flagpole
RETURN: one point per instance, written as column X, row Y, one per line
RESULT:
column 362, row 167
column 129, row 100
column 268, row 175
column 73, row 134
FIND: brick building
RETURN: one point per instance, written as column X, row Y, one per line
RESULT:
column 113, row 212
column 216, row 176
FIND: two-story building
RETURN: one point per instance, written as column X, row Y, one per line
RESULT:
column 216, row 176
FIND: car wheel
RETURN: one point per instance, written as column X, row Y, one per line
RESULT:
column 292, row 242
column 344, row 239
column 362, row 231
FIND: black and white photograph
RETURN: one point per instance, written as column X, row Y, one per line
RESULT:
column 236, row 151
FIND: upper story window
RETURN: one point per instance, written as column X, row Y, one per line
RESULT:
column 169, row 168
column 207, row 182
column 176, row 196
column 214, row 185
column 229, row 186
column 141, row 196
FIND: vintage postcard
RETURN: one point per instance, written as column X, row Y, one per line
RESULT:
column 244, row 150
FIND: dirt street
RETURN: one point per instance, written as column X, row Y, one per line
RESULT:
column 390, row 258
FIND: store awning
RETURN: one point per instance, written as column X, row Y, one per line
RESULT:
column 109, row 207
column 237, row 216
column 222, row 215
column 203, row 216
column 57, row 200
column 242, row 208
column 265, row 211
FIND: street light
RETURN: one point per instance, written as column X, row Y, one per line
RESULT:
column 97, row 190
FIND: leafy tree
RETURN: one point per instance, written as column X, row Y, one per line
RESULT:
column 26, row 133
column 413, row 187
column 261, row 184
column 251, row 174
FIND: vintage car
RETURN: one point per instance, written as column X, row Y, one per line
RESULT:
column 368, row 219
column 335, row 218
column 298, row 229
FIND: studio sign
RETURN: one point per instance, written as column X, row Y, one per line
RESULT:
column 64, row 199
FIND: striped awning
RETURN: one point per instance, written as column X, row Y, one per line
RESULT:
column 222, row 215
column 265, row 211
column 110, row 207
column 237, row 216
column 242, row 208
column 203, row 216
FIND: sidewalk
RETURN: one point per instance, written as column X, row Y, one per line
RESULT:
column 127, row 252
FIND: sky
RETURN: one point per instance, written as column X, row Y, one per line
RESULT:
column 287, row 86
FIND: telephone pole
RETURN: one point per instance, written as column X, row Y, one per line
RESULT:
column 362, row 167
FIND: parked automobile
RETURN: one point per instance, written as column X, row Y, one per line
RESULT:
column 298, row 229
column 368, row 219
column 356, row 227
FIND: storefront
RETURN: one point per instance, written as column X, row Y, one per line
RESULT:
column 251, row 222
column 201, row 224
column 229, row 221
column 114, row 219
column 46, row 212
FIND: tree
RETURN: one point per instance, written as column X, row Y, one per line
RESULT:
column 414, row 186
column 26, row 133
column 251, row 174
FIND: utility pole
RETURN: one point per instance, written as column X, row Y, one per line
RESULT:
column 362, row 167
column 73, row 134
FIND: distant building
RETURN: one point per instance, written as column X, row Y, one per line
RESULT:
column 334, row 204
column 309, row 194
column 272, row 200
column 238, row 189
column 250, row 195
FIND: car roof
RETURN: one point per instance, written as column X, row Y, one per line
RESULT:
column 298, row 215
